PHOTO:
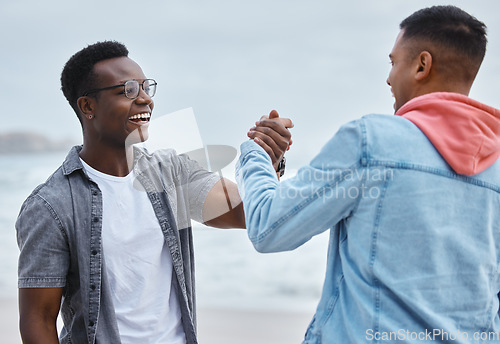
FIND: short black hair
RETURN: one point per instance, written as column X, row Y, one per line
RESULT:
column 78, row 76
column 451, row 28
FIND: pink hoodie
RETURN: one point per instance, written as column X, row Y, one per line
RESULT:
column 464, row 131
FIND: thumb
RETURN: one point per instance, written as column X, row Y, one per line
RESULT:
column 273, row 114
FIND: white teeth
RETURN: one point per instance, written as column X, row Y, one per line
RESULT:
column 140, row 116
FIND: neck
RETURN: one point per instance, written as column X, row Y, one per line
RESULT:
column 444, row 83
column 443, row 87
column 115, row 161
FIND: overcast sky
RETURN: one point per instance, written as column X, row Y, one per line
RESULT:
column 322, row 63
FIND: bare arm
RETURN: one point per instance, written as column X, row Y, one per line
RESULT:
column 38, row 310
column 223, row 207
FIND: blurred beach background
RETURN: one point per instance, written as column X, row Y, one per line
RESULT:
column 321, row 63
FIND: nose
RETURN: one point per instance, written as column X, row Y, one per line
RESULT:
column 388, row 82
column 143, row 98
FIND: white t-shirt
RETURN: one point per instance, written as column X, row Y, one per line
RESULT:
column 138, row 263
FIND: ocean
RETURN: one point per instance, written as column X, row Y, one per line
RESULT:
column 229, row 272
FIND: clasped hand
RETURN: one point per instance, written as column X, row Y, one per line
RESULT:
column 272, row 133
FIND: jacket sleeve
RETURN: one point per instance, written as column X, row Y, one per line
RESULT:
column 283, row 216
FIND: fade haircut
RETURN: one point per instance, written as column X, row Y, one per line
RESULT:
column 457, row 39
column 78, row 74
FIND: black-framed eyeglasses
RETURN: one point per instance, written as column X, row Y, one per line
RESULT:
column 131, row 88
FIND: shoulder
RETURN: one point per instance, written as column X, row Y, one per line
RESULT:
column 388, row 124
column 47, row 195
column 46, row 210
column 359, row 140
column 164, row 159
column 54, row 196
column 54, row 185
column 386, row 130
column 393, row 138
column 158, row 154
column 57, row 185
column 164, row 156
column 375, row 124
column 173, row 166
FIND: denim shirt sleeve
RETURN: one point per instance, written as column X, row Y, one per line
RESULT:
column 283, row 216
column 44, row 254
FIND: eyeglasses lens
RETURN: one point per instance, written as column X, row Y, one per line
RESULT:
column 132, row 88
column 149, row 87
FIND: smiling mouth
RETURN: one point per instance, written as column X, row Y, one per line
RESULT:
column 140, row 118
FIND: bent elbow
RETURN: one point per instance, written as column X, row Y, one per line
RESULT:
column 261, row 248
column 265, row 246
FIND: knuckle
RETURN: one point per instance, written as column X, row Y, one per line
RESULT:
column 271, row 123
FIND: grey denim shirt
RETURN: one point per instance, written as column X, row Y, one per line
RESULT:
column 59, row 237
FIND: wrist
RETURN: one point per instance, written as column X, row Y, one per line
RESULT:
column 280, row 170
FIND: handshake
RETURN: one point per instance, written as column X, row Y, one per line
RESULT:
column 273, row 135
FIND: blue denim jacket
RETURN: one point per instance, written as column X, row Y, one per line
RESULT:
column 414, row 247
column 59, row 236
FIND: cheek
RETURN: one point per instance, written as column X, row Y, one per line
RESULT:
column 391, row 79
column 118, row 110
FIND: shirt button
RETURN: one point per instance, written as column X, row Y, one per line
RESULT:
column 93, row 287
column 94, row 193
column 94, row 252
column 96, row 219
column 91, row 323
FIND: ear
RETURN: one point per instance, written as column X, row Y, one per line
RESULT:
column 86, row 106
column 424, row 65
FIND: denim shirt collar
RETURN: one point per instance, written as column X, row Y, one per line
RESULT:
column 72, row 161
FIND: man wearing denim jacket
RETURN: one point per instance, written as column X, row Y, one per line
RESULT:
column 107, row 240
column 412, row 201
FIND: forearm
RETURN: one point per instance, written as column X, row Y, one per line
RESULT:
column 272, row 223
column 38, row 311
column 283, row 216
column 38, row 330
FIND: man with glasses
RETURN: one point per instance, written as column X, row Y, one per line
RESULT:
column 107, row 239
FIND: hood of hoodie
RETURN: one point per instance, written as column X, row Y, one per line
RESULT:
column 464, row 131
